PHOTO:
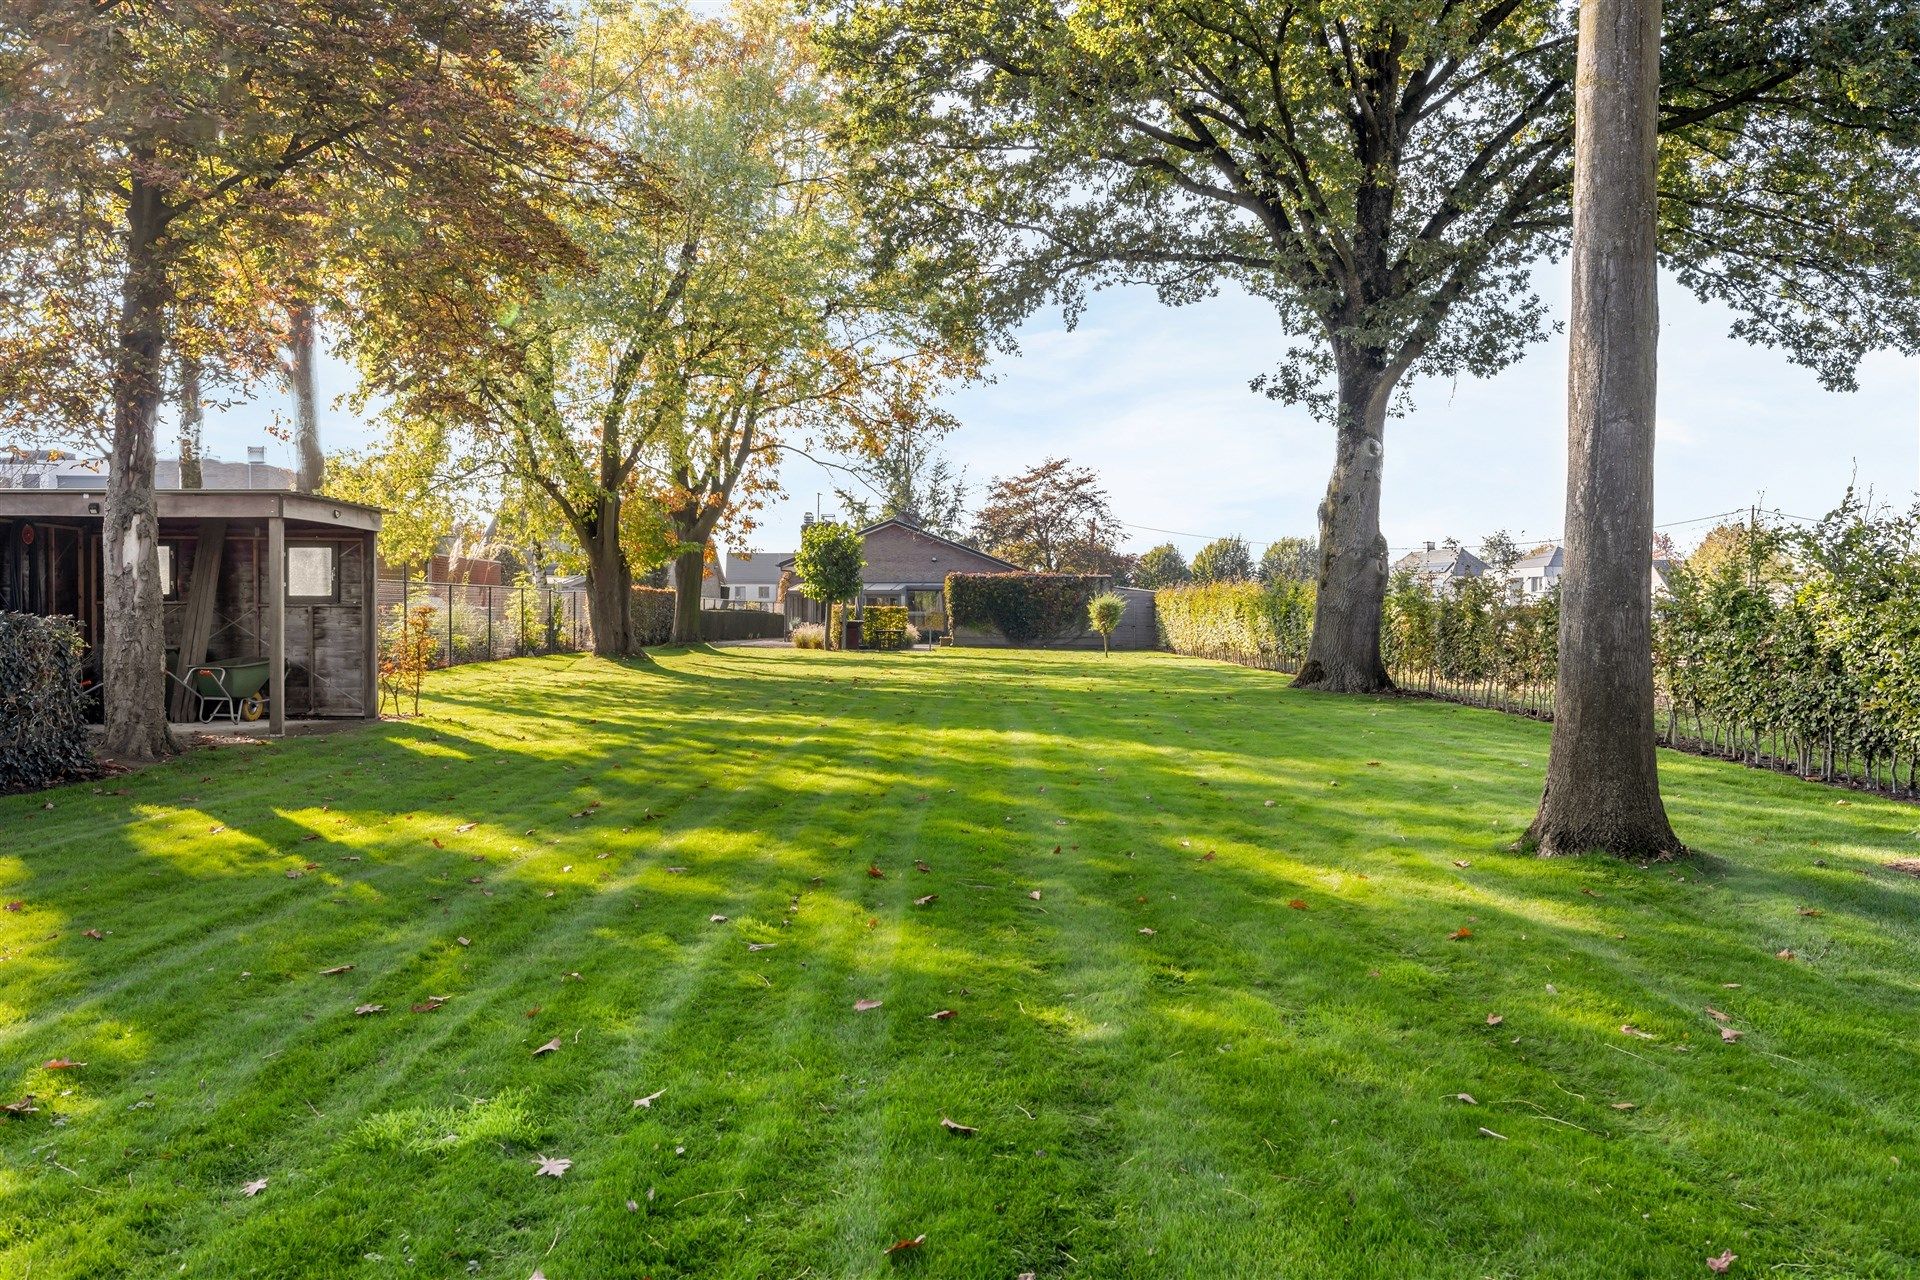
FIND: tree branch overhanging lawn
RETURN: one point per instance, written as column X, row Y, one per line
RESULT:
column 1172, row 1069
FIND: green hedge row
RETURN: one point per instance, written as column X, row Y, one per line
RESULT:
column 652, row 615
column 43, row 707
column 1025, row 608
column 1252, row 623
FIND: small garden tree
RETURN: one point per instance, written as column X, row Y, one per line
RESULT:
column 1105, row 612
column 1290, row 560
column 829, row 565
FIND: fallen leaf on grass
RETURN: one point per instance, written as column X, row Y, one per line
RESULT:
column 1466, row 1098
column 1491, row 1134
column 1035, row 895
column 1627, row 1028
column 955, row 1127
column 1784, row 953
column 551, row 1168
column 1715, row 1014
column 551, row 1046
column 1297, row 904
column 1461, row 862
column 465, row 942
column 901, row 1246
column 1495, row 1019
column 1720, row 1264
column 861, row 1006
column 254, row 1188
column 716, row 919
column 24, row 1107
column 465, row 827
column 676, row 871
column 1810, row 911
column 214, row 831
column 62, row 1064
column 1624, row 1106
column 920, row 866
column 921, row 902
column 362, row 1010
column 16, row 905
column 649, row 1100
column 761, row 946
column 1460, row 934
column 95, row 934
column 1730, row 1034
column 941, row 1015
column 336, row 971
column 294, row 873
column 1147, row 932
column 874, row 870
column 430, row 1004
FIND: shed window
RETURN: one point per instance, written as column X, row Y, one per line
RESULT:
column 169, row 581
column 313, row 573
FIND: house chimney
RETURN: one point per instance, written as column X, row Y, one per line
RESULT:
column 256, row 454
column 1429, row 546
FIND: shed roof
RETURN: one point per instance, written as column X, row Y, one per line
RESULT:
column 192, row 504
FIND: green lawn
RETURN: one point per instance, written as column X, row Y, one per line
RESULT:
column 1210, row 1015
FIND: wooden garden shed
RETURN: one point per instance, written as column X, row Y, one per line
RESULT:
column 246, row 574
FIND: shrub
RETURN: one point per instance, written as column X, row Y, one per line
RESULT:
column 410, row 650
column 1246, row 622
column 652, row 613
column 1025, row 608
column 1105, row 612
column 884, row 627
column 809, row 635
column 43, row 702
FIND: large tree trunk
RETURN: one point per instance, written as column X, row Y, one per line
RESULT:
column 609, row 582
column 133, row 648
column 689, row 568
column 193, row 417
column 311, row 472
column 1344, row 653
column 1603, row 783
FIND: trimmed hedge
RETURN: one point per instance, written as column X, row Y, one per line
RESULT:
column 884, row 627
column 43, row 706
column 742, row 624
column 1254, row 624
column 651, row 610
column 1025, row 608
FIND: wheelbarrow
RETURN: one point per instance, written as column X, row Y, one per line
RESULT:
column 228, row 688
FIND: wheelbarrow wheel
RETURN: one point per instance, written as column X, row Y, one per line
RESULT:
column 253, row 706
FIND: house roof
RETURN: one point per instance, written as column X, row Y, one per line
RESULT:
column 924, row 533
column 1544, row 558
column 756, row 568
column 1443, row 562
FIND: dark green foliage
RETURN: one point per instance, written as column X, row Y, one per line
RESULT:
column 829, row 563
column 652, row 615
column 43, row 722
column 883, row 626
column 1290, row 560
column 1161, row 566
column 1223, row 560
column 742, row 624
column 1250, row 623
column 1025, row 608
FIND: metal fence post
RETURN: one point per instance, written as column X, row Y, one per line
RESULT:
column 490, row 620
column 449, row 624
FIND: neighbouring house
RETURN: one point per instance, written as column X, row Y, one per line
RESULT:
column 1534, row 574
column 751, row 580
column 713, row 583
column 1662, row 574
column 906, row 565
column 1441, row 568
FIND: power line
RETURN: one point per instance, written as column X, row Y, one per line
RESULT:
column 1520, row 536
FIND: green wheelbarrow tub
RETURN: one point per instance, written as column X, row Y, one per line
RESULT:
column 230, row 688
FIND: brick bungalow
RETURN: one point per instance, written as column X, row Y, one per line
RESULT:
column 905, row 565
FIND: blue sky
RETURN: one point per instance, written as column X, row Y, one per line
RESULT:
column 1156, row 399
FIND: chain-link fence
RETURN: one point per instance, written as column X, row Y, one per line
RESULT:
column 474, row 622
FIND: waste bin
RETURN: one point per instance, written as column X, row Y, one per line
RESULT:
column 850, row 634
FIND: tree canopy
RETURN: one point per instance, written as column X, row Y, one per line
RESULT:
column 1223, row 560
column 1052, row 518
